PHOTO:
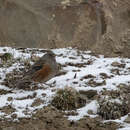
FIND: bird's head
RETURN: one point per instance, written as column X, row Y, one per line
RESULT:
column 49, row 55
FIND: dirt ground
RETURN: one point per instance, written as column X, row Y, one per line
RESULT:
column 52, row 119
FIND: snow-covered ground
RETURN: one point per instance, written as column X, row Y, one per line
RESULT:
column 77, row 64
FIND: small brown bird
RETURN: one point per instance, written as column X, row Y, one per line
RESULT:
column 44, row 69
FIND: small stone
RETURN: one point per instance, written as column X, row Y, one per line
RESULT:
column 14, row 116
column 127, row 120
column 10, row 99
column 75, row 82
column 4, row 49
column 93, row 83
column 121, row 85
column 88, row 76
column 37, row 102
column 104, row 75
column 115, row 71
column 34, row 94
column 90, row 112
column 8, row 109
column 53, row 90
column 72, row 113
column 89, row 94
column 43, row 94
column 116, row 64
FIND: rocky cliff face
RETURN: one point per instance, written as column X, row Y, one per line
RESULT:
column 116, row 37
column 102, row 26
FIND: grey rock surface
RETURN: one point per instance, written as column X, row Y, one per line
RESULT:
column 47, row 24
column 102, row 26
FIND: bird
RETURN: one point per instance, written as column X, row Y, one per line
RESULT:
column 41, row 71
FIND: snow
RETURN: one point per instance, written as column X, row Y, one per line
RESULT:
column 64, row 56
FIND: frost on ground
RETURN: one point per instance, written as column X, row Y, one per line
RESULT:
column 98, row 80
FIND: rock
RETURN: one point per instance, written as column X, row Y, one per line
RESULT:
column 116, row 64
column 8, row 109
column 90, row 112
column 89, row 94
column 127, row 120
column 14, row 116
column 93, row 83
column 9, row 99
column 88, row 76
column 37, row 102
column 4, row 92
column 104, row 75
column 115, row 71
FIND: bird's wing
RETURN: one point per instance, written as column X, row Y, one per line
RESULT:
column 33, row 69
column 37, row 67
column 43, row 73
